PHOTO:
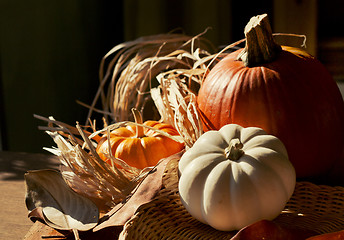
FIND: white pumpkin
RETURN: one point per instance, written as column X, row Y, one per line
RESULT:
column 235, row 176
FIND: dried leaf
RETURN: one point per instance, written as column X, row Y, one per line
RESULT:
column 36, row 213
column 143, row 194
column 61, row 207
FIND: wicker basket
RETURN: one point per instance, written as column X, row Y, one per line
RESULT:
column 315, row 208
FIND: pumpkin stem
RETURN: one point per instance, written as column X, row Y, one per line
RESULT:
column 234, row 150
column 138, row 120
column 260, row 46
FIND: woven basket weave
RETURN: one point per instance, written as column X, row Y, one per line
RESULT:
column 312, row 207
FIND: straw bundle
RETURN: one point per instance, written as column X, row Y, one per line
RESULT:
column 128, row 72
column 84, row 171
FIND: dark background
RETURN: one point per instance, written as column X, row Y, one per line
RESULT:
column 50, row 51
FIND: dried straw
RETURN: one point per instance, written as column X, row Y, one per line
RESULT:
column 84, row 171
column 129, row 70
column 175, row 97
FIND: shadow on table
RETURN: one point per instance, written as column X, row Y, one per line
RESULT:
column 13, row 165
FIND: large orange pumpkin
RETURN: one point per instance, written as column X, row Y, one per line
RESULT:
column 285, row 91
column 139, row 146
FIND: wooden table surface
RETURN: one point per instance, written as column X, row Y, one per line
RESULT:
column 14, row 223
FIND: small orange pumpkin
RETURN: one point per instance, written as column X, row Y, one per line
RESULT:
column 139, row 146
